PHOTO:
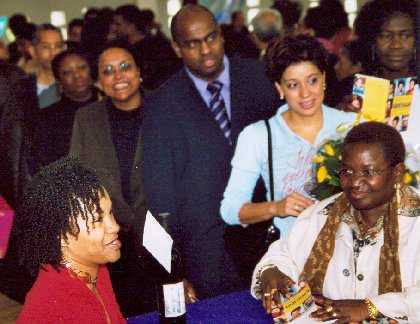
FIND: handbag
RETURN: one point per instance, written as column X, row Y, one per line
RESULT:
column 273, row 233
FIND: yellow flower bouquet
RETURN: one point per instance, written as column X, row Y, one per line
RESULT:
column 327, row 161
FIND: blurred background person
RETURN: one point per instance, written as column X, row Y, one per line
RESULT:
column 353, row 57
column 267, row 25
column 152, row 51
column 9, row 74
column 332, row 19
column 54, row 124
column 364, row 230
column 237, row 38
column 17, row 24
column 28, row 60
column 74, row 33
column 96, row 33
column 28, row 95
column 340, row 22
column 290, row 12
column 388, row 28
column 107, row 135
column 67, row 233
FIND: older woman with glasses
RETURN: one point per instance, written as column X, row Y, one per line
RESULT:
column 359, row 251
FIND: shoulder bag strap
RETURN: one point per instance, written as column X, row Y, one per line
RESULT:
column 270, row 160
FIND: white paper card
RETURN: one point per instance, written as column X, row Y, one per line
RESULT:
column 157, row 241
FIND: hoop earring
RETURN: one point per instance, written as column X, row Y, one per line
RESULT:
column 325, row 87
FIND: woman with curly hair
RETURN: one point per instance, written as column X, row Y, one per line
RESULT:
column 388, row 27
column 67, row 233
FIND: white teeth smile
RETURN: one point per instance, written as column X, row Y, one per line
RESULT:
column 120, row 86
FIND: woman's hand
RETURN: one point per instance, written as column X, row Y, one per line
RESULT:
column 189, row 292
column 343, row 311
column 346, row 104
column 274, row 282
column 292, row 205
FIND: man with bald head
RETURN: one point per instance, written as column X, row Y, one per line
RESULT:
column 191, row 125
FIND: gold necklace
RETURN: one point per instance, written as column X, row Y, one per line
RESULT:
column 83, row 276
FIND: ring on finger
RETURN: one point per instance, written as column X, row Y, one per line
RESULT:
column 273, row 291
column 296, row 207
column 335, row 315
column 330, row 309
column 267, row 295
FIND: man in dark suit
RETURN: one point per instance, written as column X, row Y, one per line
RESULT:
column 187, row 151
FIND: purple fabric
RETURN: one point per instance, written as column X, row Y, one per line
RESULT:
column 238, row 307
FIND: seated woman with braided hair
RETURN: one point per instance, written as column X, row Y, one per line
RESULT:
column 359, row 251
column 67, row 233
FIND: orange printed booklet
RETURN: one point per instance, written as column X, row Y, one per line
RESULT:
column 297, row 302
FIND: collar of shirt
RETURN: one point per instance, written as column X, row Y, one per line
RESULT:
column 224, row 77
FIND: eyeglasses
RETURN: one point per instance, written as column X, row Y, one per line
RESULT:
column 347, row 173
column 122, row 67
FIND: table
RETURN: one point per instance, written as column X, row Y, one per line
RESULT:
column 239, row 307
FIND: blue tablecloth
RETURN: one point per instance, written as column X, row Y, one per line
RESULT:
column 238, row 307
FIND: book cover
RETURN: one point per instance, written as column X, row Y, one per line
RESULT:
column 383, row 100
column 297, row 302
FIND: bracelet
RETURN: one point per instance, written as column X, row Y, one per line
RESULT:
column 257, row 287
column 373, row 311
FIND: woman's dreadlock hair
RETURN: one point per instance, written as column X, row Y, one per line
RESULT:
column 57, row 196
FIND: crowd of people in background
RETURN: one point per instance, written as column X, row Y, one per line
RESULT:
column 177, row 124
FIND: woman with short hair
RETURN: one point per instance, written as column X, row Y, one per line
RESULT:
column 297, row 65
column 54, row 123
column 359, row 251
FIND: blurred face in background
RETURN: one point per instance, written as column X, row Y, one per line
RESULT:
column 120, row 78
column 49, row 45
column 74, row 78
column 344, row 66
column 75, row 34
